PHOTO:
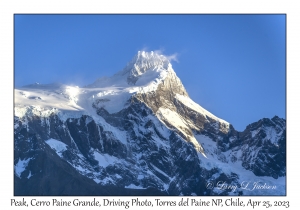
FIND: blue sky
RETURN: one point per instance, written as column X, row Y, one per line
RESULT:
column 232, row 65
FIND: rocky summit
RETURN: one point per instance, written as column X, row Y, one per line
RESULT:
column 139, row 133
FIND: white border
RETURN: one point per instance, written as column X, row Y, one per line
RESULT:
column 9, row 7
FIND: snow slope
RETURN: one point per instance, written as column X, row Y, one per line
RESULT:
column 141, row 75
column 147, row 69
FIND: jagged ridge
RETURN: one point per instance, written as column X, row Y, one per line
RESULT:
column 139, row 129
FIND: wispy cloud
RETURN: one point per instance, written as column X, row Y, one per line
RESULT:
column 159, row 51
column 173, row 57
column 144, row 49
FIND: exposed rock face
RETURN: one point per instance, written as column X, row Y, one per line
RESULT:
column 165, row 93
column 160, row 143
column 265, row 153
column 145, row 160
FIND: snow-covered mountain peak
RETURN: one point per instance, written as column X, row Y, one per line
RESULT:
column 144, row 69
column 143, row 59
column 149, row 77
column 143, row 62
column 138, row 129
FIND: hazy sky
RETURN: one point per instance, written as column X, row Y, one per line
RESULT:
column 232, row 65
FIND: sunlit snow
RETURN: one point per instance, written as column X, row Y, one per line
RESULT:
column 196, row 107
column 175, row 120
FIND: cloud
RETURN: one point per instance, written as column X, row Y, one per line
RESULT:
column 173, row 57
column 160, row 51
column 145, row 48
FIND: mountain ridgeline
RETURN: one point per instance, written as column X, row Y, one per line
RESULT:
column 139, row 133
